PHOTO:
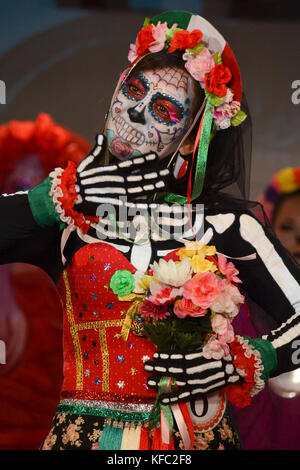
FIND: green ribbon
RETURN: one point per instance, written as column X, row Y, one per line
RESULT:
column 201, row 159
column 166, row 385
column 111, row 438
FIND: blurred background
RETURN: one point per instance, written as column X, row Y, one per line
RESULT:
column 64, row 58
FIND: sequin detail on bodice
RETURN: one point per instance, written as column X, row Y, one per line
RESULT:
column 98, row 363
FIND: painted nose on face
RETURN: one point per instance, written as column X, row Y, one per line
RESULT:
column 136, row 115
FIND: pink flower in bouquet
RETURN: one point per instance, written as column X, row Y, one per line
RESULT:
column 185, row 307
column 229, row 300
column 151, row 310
column 203, row 289
column 162, row 294
column 215, row 349
column 228, row 269
column 199, row 64
column 158, row 33
column 223, row 328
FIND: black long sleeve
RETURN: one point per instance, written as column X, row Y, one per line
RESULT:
column 23, row 240
column 270, row 277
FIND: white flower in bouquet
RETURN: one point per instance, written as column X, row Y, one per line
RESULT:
column 141, row 282
column 171, row 273
column 228, row 301
column 163, row 294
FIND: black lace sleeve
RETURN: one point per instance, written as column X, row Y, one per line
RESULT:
column 23, row 240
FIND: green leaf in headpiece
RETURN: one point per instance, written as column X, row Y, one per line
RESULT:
column 197, row 49
column 213, row 99
column 146, row 22
column 218, row 58
column 170, row 33
column 238, row 118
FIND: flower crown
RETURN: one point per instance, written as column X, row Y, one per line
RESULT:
column 204, row 66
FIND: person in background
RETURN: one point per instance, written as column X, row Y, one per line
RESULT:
column 276, row 411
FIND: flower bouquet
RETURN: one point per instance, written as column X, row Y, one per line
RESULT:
column 184, row 303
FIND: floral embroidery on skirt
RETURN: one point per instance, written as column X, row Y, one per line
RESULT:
column 83, row 432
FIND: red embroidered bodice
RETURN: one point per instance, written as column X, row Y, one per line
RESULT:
column 98, row 363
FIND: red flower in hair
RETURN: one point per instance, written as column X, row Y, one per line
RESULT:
column 185, row 40
column 217, row 78
column 144, row 39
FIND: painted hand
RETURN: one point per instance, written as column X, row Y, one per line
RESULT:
column 123, row 183
column 194, row 374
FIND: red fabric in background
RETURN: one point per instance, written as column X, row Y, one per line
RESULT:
column 29, row 393
column 30, row 389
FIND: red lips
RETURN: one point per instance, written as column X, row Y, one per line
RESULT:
column 120, row 149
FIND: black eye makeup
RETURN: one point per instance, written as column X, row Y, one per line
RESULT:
column 136, row 87
column 166, row 109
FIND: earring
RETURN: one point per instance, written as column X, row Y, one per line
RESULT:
column 181, row 166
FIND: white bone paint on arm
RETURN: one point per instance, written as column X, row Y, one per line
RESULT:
column 252, row 232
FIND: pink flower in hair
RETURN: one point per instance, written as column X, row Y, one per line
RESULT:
column 132, row 54
column 158, row 33
column 199, row 65
column 226, row 111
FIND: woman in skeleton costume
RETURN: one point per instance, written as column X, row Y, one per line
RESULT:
column 172, row 136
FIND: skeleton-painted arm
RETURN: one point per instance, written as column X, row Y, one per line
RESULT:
column 272, row 279
column 273, row 282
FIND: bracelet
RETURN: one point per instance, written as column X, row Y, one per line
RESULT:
column 64, row 195
column 248, row 362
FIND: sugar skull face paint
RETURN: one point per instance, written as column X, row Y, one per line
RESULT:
column 151, row 112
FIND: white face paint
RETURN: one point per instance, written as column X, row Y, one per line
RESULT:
column 151, row 112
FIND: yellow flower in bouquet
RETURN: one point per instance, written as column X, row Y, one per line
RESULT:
column 196, row 252
column 201, row 265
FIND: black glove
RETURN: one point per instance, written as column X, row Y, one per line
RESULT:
column 193, row 373
column 129, row 180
